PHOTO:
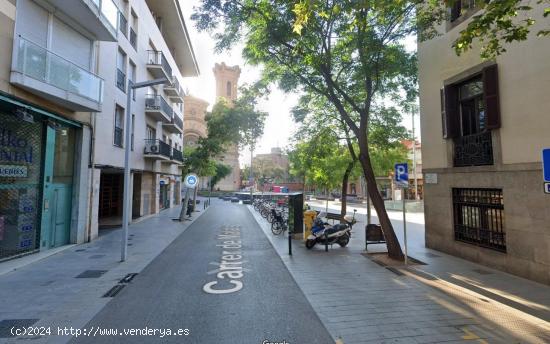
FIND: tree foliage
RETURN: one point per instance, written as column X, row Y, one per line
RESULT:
column 349, row 52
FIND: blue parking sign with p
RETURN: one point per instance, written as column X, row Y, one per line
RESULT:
column 546, row 164
column 402, row 174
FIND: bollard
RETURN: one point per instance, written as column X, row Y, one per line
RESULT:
column 326, row 241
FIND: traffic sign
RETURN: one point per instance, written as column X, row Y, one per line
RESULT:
column 546, row 164
column 191, row 180
column 547, row 188
column 402, row 174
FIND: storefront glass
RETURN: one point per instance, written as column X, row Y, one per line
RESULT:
column 20, row 182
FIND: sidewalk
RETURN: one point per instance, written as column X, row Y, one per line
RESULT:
column 49, row 293
column 447, row 300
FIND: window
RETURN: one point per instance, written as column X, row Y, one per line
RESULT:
column 133, row 77
column 469, row 111
column 119, row 126
column 121, row 70
column 228, row 89
column 133, row 29
column 122, row 24
column 150, row 133
column 461, row 7
column 132, row 132
column 479, row 217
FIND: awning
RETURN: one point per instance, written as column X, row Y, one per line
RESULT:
column 16, row 103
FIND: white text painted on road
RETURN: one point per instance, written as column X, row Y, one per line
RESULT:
column 230, row 271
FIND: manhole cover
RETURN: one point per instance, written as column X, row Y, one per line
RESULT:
column 97, row 256
column 483, row 272
column 7, row 324
column 91, row 274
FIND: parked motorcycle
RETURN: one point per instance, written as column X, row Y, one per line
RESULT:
column 324, row 233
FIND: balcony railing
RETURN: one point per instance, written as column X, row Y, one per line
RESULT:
column 156, row 58
column 177, row 121
column 177, row 155
column 122, row 24
column 157, row 103
column 43, row 65
column 174, row 90
column 118, row 136
column 121, row 80
column 473, row 150
column 157, row 147
column 133, row 38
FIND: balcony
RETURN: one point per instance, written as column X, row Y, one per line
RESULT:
column 158, row 108
column 473, row 150
column 157, row 65
column 99, row 17
column 157, row 150
column 174, row 90
column 51, row 76
column 133, row 38
column 177, row 156
column 120, row 80
column 175, row 126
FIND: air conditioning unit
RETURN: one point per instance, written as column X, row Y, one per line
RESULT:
column 151, row 148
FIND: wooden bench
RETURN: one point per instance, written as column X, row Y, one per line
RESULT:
column 333, row 217
column 373, row 235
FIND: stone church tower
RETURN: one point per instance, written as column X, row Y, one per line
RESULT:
column 227, row 79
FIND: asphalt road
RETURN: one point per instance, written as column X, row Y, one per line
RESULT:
column 261, row 303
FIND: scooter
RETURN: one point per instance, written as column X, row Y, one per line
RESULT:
column 323, row 233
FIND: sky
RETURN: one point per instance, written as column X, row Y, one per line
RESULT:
column 279, row 126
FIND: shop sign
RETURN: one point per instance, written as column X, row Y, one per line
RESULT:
column 13, row 171
column 14, row 148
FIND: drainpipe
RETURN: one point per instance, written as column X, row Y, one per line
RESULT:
column 93, row 118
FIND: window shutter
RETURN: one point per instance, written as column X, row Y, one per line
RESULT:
column 450, row 112
column 491, row 95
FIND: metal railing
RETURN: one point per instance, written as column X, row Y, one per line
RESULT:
column 177, row 155
column 120, row 80
column 479, row 217
column 157, row 147
column 108, row 10
column 174, row 83
column 177, row 121
column 133, row 38
column 118, row 136
column 157, row 102
column 473, row 150
column 157, row 58
column 122, row 24
column 41, row 64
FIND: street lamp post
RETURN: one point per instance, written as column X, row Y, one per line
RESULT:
column 414, row 156
column 126, row 197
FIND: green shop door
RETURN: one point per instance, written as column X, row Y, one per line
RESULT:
column 58, row 186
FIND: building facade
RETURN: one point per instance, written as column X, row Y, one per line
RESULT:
column 483, row 127
column 49, row 93
column 152, row 43
column 227, row 79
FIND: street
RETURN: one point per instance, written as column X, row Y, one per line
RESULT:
column 170, row 292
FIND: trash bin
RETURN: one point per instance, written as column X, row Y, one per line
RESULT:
column 309, row 217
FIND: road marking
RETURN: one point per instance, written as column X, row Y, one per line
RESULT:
column 230, row 269
column 470, row 335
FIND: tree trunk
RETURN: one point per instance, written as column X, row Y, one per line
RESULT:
column 392, row 243
column 344, row 200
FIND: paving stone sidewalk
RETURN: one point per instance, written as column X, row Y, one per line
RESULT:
column 47, row 292
column 445, row 301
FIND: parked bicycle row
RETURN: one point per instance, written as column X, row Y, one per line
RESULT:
column 276, row 213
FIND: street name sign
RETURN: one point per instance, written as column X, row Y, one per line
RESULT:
column 191, row 180
column 546, row 164
column 402, row 174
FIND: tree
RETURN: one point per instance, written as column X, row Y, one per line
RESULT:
column 221, row 172
column 349, row 52
column 499, row 23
